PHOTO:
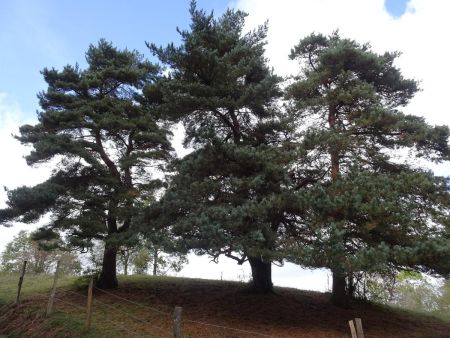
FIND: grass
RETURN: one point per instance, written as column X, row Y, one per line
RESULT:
column 143, row 306
column 65, row 321
column 32, row 285
column 442, row 314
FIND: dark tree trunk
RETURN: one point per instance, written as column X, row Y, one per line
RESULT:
column 155, row 262
column 261, row 274
column 125, row 267
column 108, row 276
column 351, row 285
column 339, row 295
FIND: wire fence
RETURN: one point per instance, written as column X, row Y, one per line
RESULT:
column 113, row 314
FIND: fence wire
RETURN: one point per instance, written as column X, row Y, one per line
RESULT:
column 132, row 316
column 135, row 303
column 61, row 293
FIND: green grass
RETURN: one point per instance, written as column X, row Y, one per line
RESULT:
column 442, row 315
column 66, row 321
column 32, row 285
column 75, row 325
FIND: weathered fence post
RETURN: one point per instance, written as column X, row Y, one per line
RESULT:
column 359, row 329
column 352, row 328
column 89, row 304
column 21, row 281
column 177, row 322
column 53, row 292
column 356, row 328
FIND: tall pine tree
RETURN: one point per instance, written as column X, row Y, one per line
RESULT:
column 225, row 198
column 105, row 138
column 369, row 207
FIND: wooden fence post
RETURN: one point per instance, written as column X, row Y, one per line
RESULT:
column 352, row 328
column 177, row 322
column 21, row 281
column 53, row 292
column 356, row 328
column 89, row 304
column 359, row 329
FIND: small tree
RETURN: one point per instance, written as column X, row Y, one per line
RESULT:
column 106, row 138
column 365, row 209
column 410, row 290
column 145, row 255
column 23, row 248
column 125, row 256
column 162, row 262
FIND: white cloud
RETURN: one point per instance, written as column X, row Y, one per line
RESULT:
column 14, row 171
column 420, row 34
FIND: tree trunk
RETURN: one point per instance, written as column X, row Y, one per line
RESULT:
column 155, row 262
column 351, row 285
column 125, row 267
column 339, row 295
column 108, row 276
column 261, row 274
column 334, row 149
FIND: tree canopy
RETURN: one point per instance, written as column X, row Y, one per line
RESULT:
column 39, row 259
column 371, row 204
column 323, row 170
column 223, row 197
column 106, row 140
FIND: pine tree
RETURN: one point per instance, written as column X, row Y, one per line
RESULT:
column 105, row 137
column 369, row 207
column 223, row 199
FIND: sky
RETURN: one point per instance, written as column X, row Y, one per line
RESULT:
column 52, row 33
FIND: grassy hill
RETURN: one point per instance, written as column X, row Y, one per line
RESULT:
column 143, row 307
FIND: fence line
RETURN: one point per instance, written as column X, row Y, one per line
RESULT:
column 115, row 309
column 65, row 291
column 103, row 318
column 82, row 309
column 121, row 327
column 71, row 304
column 131, row 316
column 135, row 303
column 147, row 324
column 73, row 292
column 186, row 320
column 229, row 328
column 22, row 275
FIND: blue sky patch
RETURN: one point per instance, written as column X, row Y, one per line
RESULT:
column 396, row 8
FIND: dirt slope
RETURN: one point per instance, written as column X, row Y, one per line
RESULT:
column 143, row 306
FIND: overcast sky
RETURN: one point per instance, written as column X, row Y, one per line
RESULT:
column 46, row 33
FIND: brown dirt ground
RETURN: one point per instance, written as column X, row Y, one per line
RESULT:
column 287, row 313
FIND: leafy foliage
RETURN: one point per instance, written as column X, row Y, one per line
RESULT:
column 105, row 137
column 23, row 248
column 409, row 290
column 156, row 258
